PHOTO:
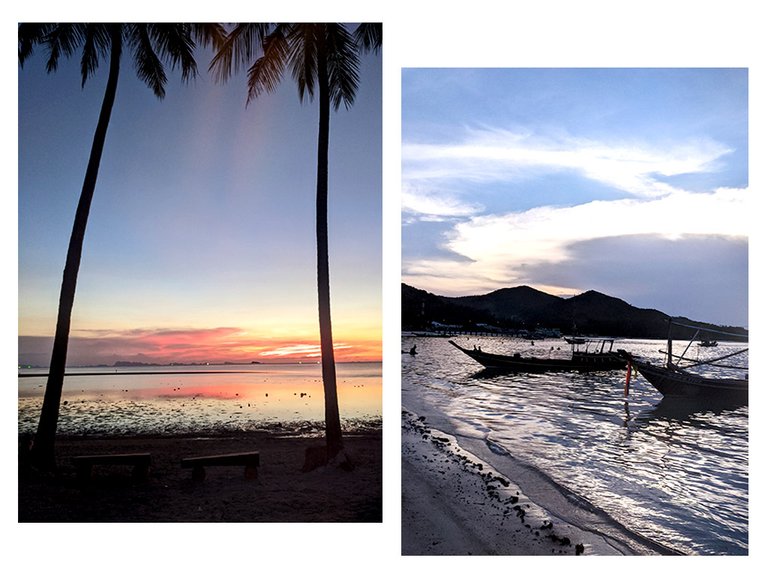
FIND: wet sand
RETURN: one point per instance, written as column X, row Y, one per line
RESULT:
column 280, row 493
column 455, row 502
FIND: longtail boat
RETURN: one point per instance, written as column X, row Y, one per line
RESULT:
column 678, row 381
column 580, row 360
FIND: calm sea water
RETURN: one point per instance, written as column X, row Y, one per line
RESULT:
column 284, row 398
column 672, row 472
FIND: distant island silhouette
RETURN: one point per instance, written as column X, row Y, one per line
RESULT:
column 526, row 311
column 179, row 365
column 130, row 364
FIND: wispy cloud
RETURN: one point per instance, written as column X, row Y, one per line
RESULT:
column 301, row 350
column 635, row 168
column 435, row 205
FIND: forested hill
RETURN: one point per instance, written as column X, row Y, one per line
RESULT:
column 526, row 309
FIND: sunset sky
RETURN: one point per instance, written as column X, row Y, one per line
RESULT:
column 201, row 240
column 631, row 182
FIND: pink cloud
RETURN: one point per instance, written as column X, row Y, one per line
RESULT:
column 164, row 346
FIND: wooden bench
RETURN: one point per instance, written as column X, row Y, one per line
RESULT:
column 140, row 462
column 198, row 463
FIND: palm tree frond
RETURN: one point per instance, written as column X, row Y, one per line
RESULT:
column 62, row 39
column 96, row 44
column 29, row 36
column 267, row 72
column 208, row 34
column 237, row 49
column 297, row 47
column 175, row 44
column 306, row 41
column 149, row 68
column 368, row 36
column 343, row 65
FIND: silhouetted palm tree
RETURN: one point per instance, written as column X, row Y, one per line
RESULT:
column 151, row 45
column 325, row 56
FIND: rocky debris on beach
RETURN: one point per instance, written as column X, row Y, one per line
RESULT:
column 500, row 494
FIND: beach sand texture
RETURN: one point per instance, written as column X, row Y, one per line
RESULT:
column 455, row 503
column 280, row 493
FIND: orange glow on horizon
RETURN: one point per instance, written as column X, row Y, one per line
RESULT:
column 212, row 345
column 343, row 351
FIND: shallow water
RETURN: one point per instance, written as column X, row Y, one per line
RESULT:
column 286, row 398
column 672, row 472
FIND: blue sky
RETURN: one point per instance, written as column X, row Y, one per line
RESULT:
column 633, row 182
column 203, row 215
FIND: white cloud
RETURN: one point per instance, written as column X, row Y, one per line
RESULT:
column 432, row 205
column 498, row 247
column 499, row 155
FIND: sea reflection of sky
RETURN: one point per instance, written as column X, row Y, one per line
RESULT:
column 182, row 403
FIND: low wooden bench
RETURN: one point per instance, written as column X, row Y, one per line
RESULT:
column 198, row 463
column 140, row 462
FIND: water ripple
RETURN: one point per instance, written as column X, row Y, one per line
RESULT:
column 675, row 474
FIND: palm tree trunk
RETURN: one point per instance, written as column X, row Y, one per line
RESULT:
column 332, row 420
column 43, row 447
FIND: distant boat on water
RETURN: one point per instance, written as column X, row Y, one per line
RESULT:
column 708, row 343
column 580, row 360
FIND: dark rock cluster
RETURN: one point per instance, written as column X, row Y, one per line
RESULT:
column 494, row 483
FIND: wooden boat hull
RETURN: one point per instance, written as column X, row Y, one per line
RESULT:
column 580, row 361
column 673, row 382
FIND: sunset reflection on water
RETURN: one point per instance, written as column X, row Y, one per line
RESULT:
column 184, row 400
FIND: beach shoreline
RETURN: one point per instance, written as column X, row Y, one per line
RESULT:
column 281, row 492
column 456, row 502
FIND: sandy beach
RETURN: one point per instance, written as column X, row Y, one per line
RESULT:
column 456, row 503
column 280, row 493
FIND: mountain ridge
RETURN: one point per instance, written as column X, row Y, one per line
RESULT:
column 523, row 308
